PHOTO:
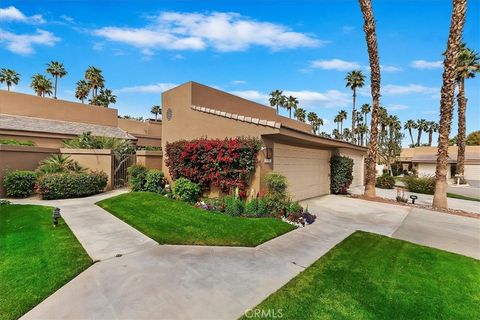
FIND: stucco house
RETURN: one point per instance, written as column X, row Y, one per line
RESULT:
column 190, row 111
column 193, row 110
column 423, row 161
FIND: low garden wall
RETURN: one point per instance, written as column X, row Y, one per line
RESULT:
column 93, row 159
column 150, row 159
column 14, row 157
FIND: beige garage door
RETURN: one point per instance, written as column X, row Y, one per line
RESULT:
column 307, row 170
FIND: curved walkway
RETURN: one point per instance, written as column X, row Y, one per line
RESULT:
column 152, row 281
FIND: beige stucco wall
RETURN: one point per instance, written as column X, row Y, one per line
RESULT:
column 428, row 170
column 150, row 159
column 472, row 174
column 21, row 158
column 93, row 159
column 33, row 106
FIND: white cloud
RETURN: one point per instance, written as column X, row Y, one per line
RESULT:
column 67, row 18
column 423, row 64
column 335, row 64
column 23, row 43
column 195, row 31
column 388, row 68
column 239, row 81
column 13, row 14
column 307, row 99
column 149, row 88
column 347, row 29
column 396, row 107
column 391, row 89
column 178, row 57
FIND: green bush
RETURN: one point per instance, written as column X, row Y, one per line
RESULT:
column 71, row 185
column 276, row 183
column 19, row 183
column 341, row 174
column 424, row 185
column 59, row 163
column 257, row 208
column 155, row 181
column 4, row 202
column 234, row 206
column 385, row 181
column 137, row 177
column 186, row 190
column 16, row 142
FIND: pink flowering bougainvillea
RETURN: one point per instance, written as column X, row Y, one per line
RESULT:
column 227, row 164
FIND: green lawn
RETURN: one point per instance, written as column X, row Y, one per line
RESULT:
column 170, row 221
column 369, row 276
column 459, row 196
column 35, row 258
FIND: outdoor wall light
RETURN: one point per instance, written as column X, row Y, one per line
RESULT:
column 269, row 153
column 56, row 216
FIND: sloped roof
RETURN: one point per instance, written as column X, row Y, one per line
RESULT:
column 21, row 123
column 234, row 116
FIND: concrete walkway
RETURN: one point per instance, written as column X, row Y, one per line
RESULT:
column 425, row 199
column 195, row 282
column 101, row 234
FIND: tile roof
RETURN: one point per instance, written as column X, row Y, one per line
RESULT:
column 233, row 116
column 21, row 123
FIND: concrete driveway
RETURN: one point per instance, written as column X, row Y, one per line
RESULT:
column 195, row 282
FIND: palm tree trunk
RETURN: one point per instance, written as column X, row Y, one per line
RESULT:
column 430, row 134
column 371, row 38
column 419, row 137
column 462, row 107
column 411, row 136
column 290, row 113
column 353, row 115
column 446, row 101
column 55, row 94
column 8, row 87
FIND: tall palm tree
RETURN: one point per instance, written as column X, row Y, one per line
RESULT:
column 291, row 103
column 156, row 110
column 82, row 90
column 355, row 79
column 409, row 125
column 362, row 130
column 432, row 127
column 336, row 134
column 366, row 108
column 371, row 38
column 41, row 85
column 312, row 118
column 318, row 123
column 276, row 98
column 9, row 77
column 343, row 116
column 422, row 125
column 104, row 98
column 346, row 134
column 300, row 114
column 95, row 79
column 468, row 65
column 450, row 64
column 57, row 70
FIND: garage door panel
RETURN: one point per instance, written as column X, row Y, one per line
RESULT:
column 307, row 170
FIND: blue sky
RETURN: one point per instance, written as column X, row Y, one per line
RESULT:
column 245, row 47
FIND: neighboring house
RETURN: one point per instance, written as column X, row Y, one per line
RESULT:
column 48, row 122
column 193, row 110
column 423, row 161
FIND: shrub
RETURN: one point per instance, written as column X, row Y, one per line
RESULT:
column 234, row 206
column 16, row 142
column 4, row 202
column 341, row 174
column 71, row 185
column 154, row 181
column 385, row 181
column 424, row 185
column 276, row 183
column 59, row 163
column 186, row 190
column 226, row 163
column 257, row 208
column 137, row 177
column 19, row 183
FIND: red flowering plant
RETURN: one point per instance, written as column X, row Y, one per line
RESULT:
column 227, row 164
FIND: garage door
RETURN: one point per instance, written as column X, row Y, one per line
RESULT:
column 307, row 170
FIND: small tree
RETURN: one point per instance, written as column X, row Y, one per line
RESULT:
column 341, row 174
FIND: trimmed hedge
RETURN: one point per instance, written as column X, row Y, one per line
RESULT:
column 424, row 185
column 71, row 185
column 341, row 174
column 385, row 181
column 19, row 183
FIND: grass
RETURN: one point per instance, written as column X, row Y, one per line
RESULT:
column 459, row 196
column 369, row 276
column 170, row 221
column 35, row 258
